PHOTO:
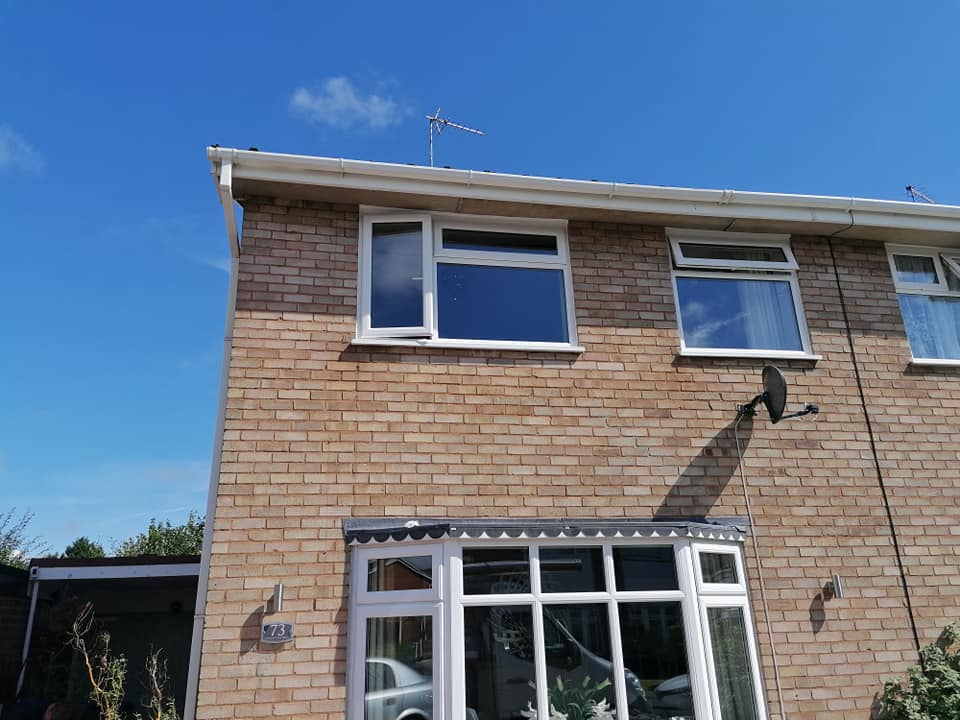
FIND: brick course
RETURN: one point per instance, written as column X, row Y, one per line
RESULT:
column 318, row 430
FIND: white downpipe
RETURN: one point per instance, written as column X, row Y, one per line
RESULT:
column 223, row 177
column 26, row 639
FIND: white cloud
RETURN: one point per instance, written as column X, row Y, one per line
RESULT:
column 338, row 103
column 17, row 154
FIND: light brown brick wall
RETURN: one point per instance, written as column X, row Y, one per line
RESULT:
column 318, row 431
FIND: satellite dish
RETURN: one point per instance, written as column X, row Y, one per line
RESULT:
column 774, row 397
column 774, row 392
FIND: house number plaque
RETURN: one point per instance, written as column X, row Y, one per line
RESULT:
column 277, row 632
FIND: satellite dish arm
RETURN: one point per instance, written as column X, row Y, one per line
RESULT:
column 750, row 409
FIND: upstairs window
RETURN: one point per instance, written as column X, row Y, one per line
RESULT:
column 737, row 294
column 927, row 281
column 455, row 280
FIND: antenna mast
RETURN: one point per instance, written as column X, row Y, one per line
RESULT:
column 916, row 195
column 436, row 122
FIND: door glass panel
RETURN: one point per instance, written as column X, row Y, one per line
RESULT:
column 579, row 661
column 399, row 673
column 396, row 296
column 571, row 569
column 655, row 658
column 731, row 659
column 645, row 568
column 404, row 573
column 499, row 660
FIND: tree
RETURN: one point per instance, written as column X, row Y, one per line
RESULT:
column 16, row 546
column 931, row 691
column 84, row 547
column 162, row 538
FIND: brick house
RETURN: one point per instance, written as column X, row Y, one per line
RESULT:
column 483, row 429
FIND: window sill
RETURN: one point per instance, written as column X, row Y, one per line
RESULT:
column 753, row 354
column 545, row 347
column 935, row 362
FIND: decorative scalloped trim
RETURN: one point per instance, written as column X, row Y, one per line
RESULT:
column 436, row 532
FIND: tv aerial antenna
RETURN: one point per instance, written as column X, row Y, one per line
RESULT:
column 916, row 195
column 439, row 124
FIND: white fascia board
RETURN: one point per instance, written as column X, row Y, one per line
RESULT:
column 115, row 572
column 703, row 203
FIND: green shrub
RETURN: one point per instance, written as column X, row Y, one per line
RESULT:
column 929, row 692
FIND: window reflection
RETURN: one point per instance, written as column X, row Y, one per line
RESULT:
column 655, row 651
column 571, row 570
column 645, row 568
column 718, row 568
column 496, row 571
column 399, row 668
column 731, row 660
column 396, row 267
column 405, row 573
column 489, row 302
column 499, row 661
column 579, row 661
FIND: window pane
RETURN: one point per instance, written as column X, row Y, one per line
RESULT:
column 407, row 573
column 579, row 660
column 953, row 281
column 933, row 325
column 733, row 252
column 655, row 658
column 396, row 296
column 399, row 667
column 454, row 239
column 915, row 269
column 718, row 568
column 736, row 313
column 645, row 568
column 482, row 302
column 731, row 659
column 499, row 659
column 571, row 570
column 495, row 571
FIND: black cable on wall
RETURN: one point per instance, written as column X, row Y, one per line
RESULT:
column 873, row 450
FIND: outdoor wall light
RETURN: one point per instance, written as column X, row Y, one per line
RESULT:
column 833, row 588
column 277, row 603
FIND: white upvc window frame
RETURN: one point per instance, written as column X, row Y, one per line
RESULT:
column 941, row 256
column 711, row 588
column 365, row 298
column 434, row 253
column 782, row 271
column 449, row 665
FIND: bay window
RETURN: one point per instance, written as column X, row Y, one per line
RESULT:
column 464, row 281
column 517, row 626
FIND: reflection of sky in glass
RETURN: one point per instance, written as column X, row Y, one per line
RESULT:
column 482, row 302
column 737, row 313
column 397, row 275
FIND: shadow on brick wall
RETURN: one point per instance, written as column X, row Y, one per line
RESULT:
column 704, row 480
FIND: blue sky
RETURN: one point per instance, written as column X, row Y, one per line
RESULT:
column 113, row 249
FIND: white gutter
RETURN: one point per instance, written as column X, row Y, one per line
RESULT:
column 114, row 572
column 222, row 176
column 470, row 184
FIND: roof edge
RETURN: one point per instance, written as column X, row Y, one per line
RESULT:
column 344, row 173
